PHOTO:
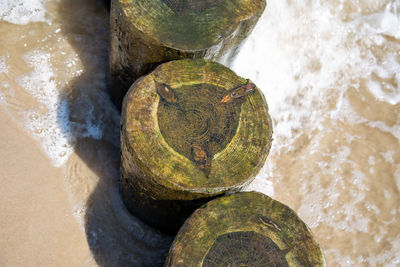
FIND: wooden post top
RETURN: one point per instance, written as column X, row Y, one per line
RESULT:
column 244, row 229
column 189, row 25
column 195, row 126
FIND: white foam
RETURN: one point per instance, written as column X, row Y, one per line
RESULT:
column 387, row 194
column 341, row 260
column 389, row 257
column 55, row 128
column 371, row 160
column 79, row 211
column 387, row 22
column 388, row 155
column 389, row 67
column 3, row 65
column 51, row 126
column 301, row 54
column 394, row 130
column 293, row 54
column 376, row 89
column 319, row 204
column 23, row 11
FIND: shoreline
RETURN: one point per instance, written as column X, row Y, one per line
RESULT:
column 37, row 225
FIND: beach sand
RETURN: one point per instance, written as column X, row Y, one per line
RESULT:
column 37, row 227
column 330, row 71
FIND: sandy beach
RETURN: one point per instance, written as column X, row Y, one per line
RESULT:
column 37, row 225
column 330, row 71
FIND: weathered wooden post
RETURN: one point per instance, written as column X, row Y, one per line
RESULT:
column 190, row 130
column 244, row 229
column 146, row 33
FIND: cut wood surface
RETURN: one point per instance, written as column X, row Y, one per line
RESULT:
column 190, row 130
column 146, row 33
column 244, row 229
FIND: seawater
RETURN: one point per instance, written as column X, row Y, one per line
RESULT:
column 330, row 71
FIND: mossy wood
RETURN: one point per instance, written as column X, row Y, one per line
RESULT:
column 244, row 229
column 191, row 130
column 146, row 33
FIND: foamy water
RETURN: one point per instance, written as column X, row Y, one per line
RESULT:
column 23, row 12
column 330, row 71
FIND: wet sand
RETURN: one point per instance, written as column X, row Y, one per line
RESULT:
column 330, row 71
column 37, row 227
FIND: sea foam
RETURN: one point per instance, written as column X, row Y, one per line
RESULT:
column 23, row 11
column 3, row 65
column 41, row 84
column 304, row 49
column 302, row 54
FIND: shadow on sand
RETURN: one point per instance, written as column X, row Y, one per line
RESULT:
column 91, row 121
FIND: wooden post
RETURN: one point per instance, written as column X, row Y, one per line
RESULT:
column 190, row 130
column 146, row 33
column 244, row 229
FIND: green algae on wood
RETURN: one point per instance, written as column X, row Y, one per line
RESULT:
column 146, row 33
column 182, row 145
column 244, row 229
